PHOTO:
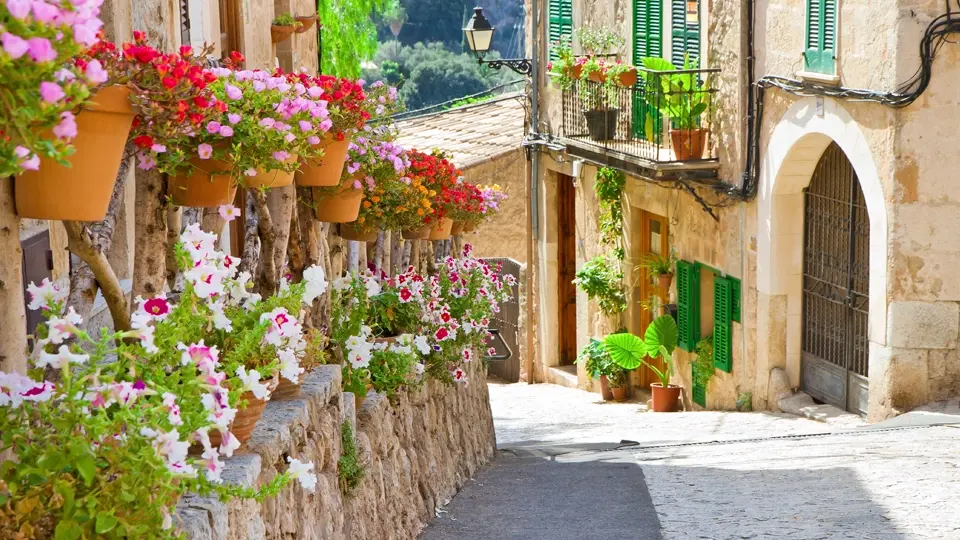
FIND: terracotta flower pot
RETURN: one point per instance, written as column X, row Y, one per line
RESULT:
column 628, row 78
column 280, row 33
column 605, row 388
column 470, row 227
column 340, row 207
column 664, row 281
column 597, row 76
column 306, row 22
column 271, row 178
column 348, row 231
column 574, row 71
column 358, row 400
column 441, row 231
column 286, row 390
column 82, row 191
column 688, row 143
column 416, row 234
column 619, row 393
column 457, row 228
column 244, row 422
column 665, row 399
column 326, row 170
column 207, row 185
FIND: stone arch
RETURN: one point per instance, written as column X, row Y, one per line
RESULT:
column 794, row 149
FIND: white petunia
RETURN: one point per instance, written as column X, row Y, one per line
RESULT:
column 422, row 345
column 302, row 473
column 43, row 296
column 316, row 283
column 251, row 382
column 61, row 359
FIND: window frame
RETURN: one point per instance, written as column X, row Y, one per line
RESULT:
column 819, row 58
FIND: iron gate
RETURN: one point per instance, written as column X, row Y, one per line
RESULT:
column 505, row 364
column 836, row 284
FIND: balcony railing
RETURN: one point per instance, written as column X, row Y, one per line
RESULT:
column 665, row 118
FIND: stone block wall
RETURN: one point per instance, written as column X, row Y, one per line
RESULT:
column 417, row 452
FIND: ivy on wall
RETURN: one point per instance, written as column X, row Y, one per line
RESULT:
column 601, row 278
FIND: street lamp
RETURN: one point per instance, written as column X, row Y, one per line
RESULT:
column 479, row 33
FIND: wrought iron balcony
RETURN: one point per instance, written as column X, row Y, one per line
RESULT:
column 660, row 126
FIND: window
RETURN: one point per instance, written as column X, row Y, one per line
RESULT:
column 685, row 30
column 695, row 304
column 819, row 53
column 561, row 24
column 647, row 29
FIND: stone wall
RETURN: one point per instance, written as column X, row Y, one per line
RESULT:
column 417, row 452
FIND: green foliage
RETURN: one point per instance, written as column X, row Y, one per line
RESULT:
column 561, row 69
column 680, row 96
column 389, row 316
column 393, row 368
column 469, row 101
column 285, row 19
column 349, row 34
column 660, row 340
column 598, row 39
column 745, row 402
column 703, row 369
column 349, row 469
column 609, row 184
column 601, row 279
column 659, row 265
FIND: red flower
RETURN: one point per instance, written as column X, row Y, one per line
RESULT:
column 186, row 51
column 201, row 101
column 156, row 306
column 139, row 36
column 405, row 295
column 441, row 334
column 169, row 83
column 143, row 141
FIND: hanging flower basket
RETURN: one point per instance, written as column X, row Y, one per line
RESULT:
column 207, row 185
column 348, row 231
column 325, row 171
column 340, row 207
column 274, row 178
column 306, row 22
column 280, row 33
column 82, row 191
column 469, row 227
column 458, row 228
column 628, row 78
column 442, row 231
column 416, row 234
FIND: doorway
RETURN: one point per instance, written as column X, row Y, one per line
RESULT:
column 836, row 283
column 653, row 241
column 567, row 269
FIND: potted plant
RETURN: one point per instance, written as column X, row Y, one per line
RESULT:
column 660, row 268
column 619, row 380
column 441, row 180
column 623, row 75
column 683, row 98
column 283, row 27
column 599, row 100
column 493, row 197
column 659, row 341
column 596, row 361
column 601, row 279
column 567, row 68
column 703, row 368
column 305, row 22
column 599, row 40
column 395, row 16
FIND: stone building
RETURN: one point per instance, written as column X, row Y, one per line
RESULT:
column 815, row 230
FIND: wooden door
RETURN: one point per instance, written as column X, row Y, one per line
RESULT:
column 653, row 240
column 567, row 265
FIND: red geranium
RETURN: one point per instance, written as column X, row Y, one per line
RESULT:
column 345, row 100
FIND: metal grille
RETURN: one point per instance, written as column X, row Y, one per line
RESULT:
column 508, row 324
column 836, row 283
column 184, row 22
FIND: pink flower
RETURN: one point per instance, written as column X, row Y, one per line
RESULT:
column 19, row 9
column 229, row 213
column 145, row 162
column 205, row 151
column 213, row 127
column 157, row 307
column 51, row 92
column 280, row 155
column 226, row 131
column 313, row 140
column 15, row 45
column 405, row 295
column 44, row 12
column 467, row 355
column 158, row 148
column 305, row 126
column 289, row 137
column 95, row 72
column 41, row 50
column 267, row 122
column 491, row 351
column 233, row 92
column 250, row 172
column 441, row 334
column 233, row 118
column 459, row 375
column 29, row 160
column 259, row 86
column 357, row 184
column 67, row 128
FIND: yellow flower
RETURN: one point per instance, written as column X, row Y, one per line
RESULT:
column 419, row 211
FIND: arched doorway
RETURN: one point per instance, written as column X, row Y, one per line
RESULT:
column 836, row 285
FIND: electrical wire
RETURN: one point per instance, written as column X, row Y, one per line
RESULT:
column 405, row 115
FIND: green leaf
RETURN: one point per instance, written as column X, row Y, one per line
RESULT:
column 661, row 336
column 105, row 522
column 658, row 64
column 87, row 468
column 3, row 499
column 627, row 350
column 67, row 530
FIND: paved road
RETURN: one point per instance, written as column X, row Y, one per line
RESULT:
column 572, row 467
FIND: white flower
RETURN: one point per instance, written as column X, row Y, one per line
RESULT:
column 316, row 283
column 422, row 345
column 355, row 342
column 302, row 472
column 229, row 212
column 359, row 358
column 251, row 382
column 198, row 243
column 45, row 295
column 167, row 521
column 145, row 335
column 342, row 283
column 373, row 286
column 61, row 329
column 61, row 359
column 289, row 365
column 212, row 466
column 207, row 280
column 220, row 319
column 236, row 289
column 228, row 443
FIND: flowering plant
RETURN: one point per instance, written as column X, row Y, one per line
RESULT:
column 440, row 177
column 170, row 94
column 345, row 101
column 41, row 91
column 104, row 449
column 268, row 122
column 468, row 204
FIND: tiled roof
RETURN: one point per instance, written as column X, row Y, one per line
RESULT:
column 472, row 134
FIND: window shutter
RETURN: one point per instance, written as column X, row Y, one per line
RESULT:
column 560, row 28
column 722, row 309
column 821, row 46
column 734, row 299
column 698, row 393
column 647, row 43
column 688, row 320
column 685, row 39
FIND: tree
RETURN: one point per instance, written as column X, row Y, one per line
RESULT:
column 349, row 34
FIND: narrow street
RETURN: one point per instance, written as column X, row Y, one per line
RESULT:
column 573, row 467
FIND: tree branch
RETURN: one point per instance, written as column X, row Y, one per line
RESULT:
column 82, row 244
column 268, row 279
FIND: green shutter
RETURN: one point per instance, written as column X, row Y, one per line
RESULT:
column 685, row 39
column 698, row 393
column 647, row 42
column 688, row 319
column 722, row 309
column 821, row 43
column 734, row 299
column 560, row 28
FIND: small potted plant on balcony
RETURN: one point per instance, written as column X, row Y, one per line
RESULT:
column 659, row 341
column 567, row 68
column 622, row 75
column 599, row 101
column 683, row 98
column 599, row 40
column 283, row 26
column 306, row 22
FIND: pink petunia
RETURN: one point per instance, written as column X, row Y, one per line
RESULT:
column 233, row 92
column 67, row 128
column 233, row 118
column 95, row 72
column 41, row 50
column 44, row 12
column 281, row 155
column 229, row 212
column 51, row 92
column 14, row 45
column 226, row 131
column 205, row 151
column 19, row 9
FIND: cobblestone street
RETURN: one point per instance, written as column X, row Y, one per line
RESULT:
column 707, row 475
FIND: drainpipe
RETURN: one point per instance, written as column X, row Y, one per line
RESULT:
column 533, row 223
